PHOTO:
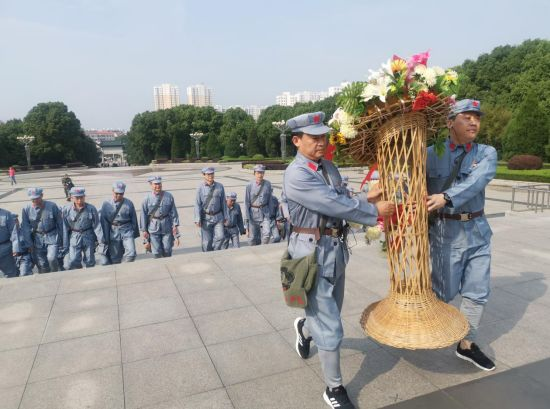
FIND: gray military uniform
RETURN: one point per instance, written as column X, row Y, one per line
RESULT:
column 10, row 242
column 309, row 196
column 211, row 213
column 257, row 212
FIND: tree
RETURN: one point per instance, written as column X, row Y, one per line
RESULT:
column 58, row 135
column 253, row 143
column 213, row 146
column 12, row 152
column 177, row 147
column 528, row 130
column 493, row 126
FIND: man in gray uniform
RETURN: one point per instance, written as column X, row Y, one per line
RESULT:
column 81, row 230
column 120, row 226
column 274, row 213
column 257, row 212
column 10, row 243
column 159, row 219
column 42, row 229
column 460, row 237
column 235, row 226
column 210, row 211
column 318, row 204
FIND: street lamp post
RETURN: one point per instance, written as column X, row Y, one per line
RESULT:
column 281, row 126
column 197, row 136
column 27, row 140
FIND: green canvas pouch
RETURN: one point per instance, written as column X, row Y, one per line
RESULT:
column 297, row 278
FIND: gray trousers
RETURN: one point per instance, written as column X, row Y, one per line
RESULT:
column 7, row 266
column 212, row 235
column 324, row 324
column 260, row 232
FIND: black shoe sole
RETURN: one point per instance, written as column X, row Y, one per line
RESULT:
column 297, row 344
column 474, row 362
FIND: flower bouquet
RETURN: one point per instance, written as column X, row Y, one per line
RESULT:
column 398, row 87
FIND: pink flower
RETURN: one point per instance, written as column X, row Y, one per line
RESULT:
column 417, row 59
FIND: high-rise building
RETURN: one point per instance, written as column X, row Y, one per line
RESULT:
column 288, row 99
column 199, row 95
column 166, row 96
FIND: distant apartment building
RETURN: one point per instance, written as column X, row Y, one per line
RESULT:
column 199, row 95
column 289, row 99
column 166, row 96
column 253, row 110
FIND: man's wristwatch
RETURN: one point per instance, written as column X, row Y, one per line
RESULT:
column 447, row 199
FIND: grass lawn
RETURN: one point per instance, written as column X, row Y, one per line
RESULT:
column 541, row 175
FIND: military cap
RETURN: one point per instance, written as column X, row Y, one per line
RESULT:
column 207, row 170
column 77, row 191
column 259, row 168
column 154, row 179
column 231, row 195
column 34, row 192
column 465, row 105
column 119, row 187
column 311, row 123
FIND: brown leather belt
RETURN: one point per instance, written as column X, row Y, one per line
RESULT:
column 212, row 213
column 258, row 207
column 463, row 217
column 333, row 232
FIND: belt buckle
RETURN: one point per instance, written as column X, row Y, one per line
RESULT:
column 334, row 232
column 464, row 217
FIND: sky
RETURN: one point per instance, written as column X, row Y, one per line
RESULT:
column 103, row 57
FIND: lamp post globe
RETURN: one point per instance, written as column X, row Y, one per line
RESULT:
column 281, row 126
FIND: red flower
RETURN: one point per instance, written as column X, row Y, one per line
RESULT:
column 423, row 100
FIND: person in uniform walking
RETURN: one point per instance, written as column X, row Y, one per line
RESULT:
column 120, row 227
column 273, row 214
column 460, row 237
column 211, row 213
column 23, row 259
column 235, row 225
column 257, row 212
column 159, row 219
column 42, row 229
column 10, row 243
column 81, row 230
column 318, row 205
column 68, row 184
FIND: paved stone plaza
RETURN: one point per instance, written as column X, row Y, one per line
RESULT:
column 212, row 331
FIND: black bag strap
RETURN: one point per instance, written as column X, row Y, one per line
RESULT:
column 78, row 216
column 455, row 171
column 157, row 205
column 39, row 220
column 258, row 193
column 117, row 210
column 209, row 197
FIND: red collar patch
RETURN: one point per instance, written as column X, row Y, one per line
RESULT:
column 312, row 166
column 467, row 147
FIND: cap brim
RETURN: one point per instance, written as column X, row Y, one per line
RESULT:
column 34, row 197
column 315, row 130
column 118, row 191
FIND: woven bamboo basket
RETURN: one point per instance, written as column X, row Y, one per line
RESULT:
column 411, row 316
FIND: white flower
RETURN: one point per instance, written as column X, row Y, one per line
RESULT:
column 438, row 70
column 375, row 75
column 342, row 117
column 430, row 77
column 420, row 69
column 348, row 131
column 379, row 89
column 336, row 116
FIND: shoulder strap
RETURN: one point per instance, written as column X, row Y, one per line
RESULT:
column 78, row 215
column 455, row 171
column 39, row 220
column 117, row 210
column 209, row 197
column 257, row 193
column 324, row 219
column 157, row 205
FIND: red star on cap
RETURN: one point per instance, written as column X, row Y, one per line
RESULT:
column 317, row 119
column 475, row 103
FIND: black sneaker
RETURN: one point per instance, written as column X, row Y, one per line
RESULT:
column 475, row 356
column 302, row 343
column 337, row 398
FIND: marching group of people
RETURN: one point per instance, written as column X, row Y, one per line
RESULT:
column 316, row 203
column 52, row 238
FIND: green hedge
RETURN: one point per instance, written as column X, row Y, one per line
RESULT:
column 541, row 175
